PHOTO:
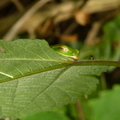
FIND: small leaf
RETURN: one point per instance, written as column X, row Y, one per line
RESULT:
column 46, row 116
column 107, row 107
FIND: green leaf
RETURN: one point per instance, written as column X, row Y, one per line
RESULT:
column 26, row 56
column 46, row 116
column 34, row 77
column 107, row 106
column 110, row 47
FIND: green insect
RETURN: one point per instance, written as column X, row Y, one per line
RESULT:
column 66, row 51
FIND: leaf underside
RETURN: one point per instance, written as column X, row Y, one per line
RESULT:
column 33, row 77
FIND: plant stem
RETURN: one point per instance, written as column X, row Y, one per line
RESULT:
column 96, row 63
column 79, row 110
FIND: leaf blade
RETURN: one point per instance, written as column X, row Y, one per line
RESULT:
column 41, row 85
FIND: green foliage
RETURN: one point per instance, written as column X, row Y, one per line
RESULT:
column 46, row 116
column 110, row 46
column 107, row 106
column 34, row 77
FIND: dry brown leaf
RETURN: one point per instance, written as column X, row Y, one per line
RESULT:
column 3, row 3
column 81, row 17
column 62, row 17
column 45, row 29
column 68, row 38
column 31, row 23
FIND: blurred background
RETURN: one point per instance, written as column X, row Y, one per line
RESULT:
column 92, row 26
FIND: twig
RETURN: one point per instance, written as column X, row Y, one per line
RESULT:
column 93, row 6
column 74, row 24
column 15, row 28
column 79, row 110
column 18, row 5
column 71, row 28
column 90, row 7
column 90, row 39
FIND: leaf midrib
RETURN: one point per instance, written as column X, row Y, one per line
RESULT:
column 46, row 87
column 35, row 72
column 43, row 60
